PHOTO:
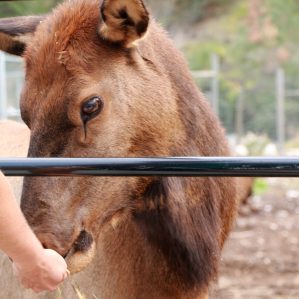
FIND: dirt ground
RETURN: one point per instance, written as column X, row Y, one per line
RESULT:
column 261, row 258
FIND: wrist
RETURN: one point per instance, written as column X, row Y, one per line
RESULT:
column 30, row 255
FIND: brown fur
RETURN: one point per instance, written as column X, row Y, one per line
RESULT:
column 170, row 231
column 14, row 143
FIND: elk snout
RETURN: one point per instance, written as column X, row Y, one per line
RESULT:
column 50, row 241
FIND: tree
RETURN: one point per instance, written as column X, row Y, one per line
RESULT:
column 21, row 8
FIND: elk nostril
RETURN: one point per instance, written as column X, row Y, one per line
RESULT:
column 83, row 242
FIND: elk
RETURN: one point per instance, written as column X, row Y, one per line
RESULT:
column 104, row 80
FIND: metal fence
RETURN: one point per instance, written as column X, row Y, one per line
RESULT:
column 12, row 78
column 175, row 166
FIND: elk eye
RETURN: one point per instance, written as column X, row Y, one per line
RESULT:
column 91, row 108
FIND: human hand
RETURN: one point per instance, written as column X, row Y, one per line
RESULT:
column 45, row 273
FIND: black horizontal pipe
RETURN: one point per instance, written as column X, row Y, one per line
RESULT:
column 187, row 166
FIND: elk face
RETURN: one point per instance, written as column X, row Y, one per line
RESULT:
column 89, row 92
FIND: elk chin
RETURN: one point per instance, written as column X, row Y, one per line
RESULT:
column 81, row 254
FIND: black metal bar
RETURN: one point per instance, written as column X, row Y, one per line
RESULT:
column 187, row 166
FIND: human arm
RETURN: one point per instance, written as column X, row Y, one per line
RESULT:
column 37, row 268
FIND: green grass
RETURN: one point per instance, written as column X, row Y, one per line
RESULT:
column 260, row 187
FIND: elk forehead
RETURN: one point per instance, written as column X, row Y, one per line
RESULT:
column 71, row 28
column 65, row 48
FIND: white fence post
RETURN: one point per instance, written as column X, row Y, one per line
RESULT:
column 213, row 75
column 215, row 83
column 239, row 123
column 3, row 87
column 280, row 110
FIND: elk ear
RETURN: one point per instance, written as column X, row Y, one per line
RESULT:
column 16, row 32
column 123, row 21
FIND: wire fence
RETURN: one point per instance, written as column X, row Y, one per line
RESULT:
column 273, row 115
